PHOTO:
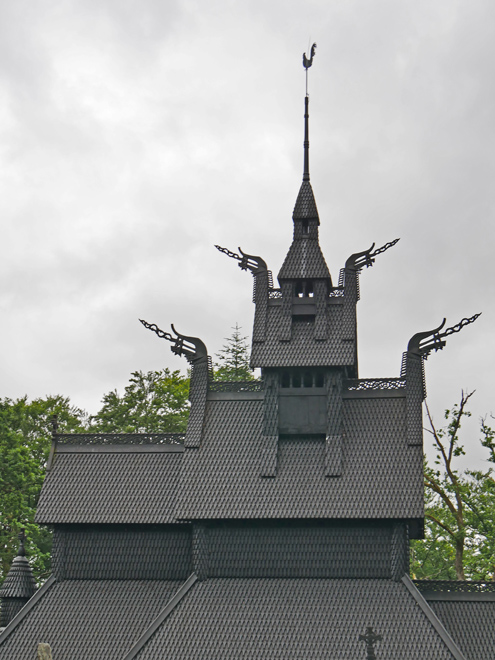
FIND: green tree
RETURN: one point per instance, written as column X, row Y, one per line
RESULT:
column 480, row 508
column 233, row 358
column 459, row 508
column 25, row 440
column 433, row 557
column 448, row 487
column 153, row 402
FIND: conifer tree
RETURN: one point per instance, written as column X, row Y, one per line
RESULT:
column 233, row 358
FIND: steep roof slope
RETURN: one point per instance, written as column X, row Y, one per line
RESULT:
column 90, row 619
column 471, row 625
column 130, row 487
column 302, row 350
column 381, row 474
column 295, row 618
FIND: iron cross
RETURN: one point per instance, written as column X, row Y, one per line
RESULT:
column 370, row 638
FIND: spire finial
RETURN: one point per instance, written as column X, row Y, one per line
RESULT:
column 306, row 64
column 54, row 421
column 22, row 538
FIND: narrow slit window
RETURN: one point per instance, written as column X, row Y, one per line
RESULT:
column 308, row 379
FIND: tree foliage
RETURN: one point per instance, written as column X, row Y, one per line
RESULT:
column 25, row 439
column 459, row 507
column 233, row 358
column 153, row 402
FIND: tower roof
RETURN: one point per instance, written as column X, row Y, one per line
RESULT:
column 304, row 260
column 305, row 208
column 20, row 582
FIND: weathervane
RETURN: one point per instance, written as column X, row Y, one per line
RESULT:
column 306, row 64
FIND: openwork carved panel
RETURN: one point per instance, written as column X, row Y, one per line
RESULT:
column 358, row 385
column 237, row 386
column 455, row 586
column 120, row 438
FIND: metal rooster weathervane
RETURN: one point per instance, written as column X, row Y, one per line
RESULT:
column 307, row 63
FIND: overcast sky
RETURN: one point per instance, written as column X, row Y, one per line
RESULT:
column 137, row 134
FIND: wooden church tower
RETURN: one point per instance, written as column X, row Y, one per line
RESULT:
column 278, row 526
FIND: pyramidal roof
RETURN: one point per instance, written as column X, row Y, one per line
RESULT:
column 305, row 208
column 304, row 260
column 20, row 582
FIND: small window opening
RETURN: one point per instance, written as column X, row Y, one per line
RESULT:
column 305, row 226
column 308, row 319
column 308, row 379
column 285, row 379
column 299, row 378
column 304, row 289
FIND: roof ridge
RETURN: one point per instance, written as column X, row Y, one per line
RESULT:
column 433, row 619
column 27, row 608
column 169, row 607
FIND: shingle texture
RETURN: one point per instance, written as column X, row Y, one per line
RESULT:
column 303, row 619
column 260, row 297
column 90, row 619
column 110, row 488
column 19, row 582
column 299, row 550
column 414, row 373
column 17, row 588
column 304, row 260
column 197, row 397
column 9, row 609
column 303, row 350
column 471, row 625
column 381, row 474
column 123, row 553
column 400, row 551
column 305, row 208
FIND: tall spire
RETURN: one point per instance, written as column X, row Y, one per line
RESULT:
column 305, row 208
column 305, row 261
column 306, row 64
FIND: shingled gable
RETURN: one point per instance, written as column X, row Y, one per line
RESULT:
column 305, row 259
column 278, row 525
